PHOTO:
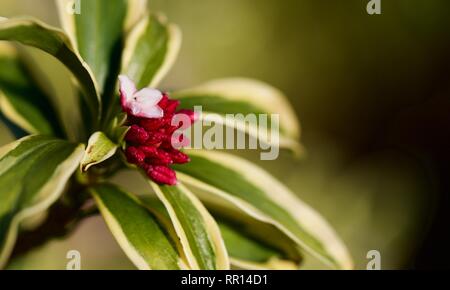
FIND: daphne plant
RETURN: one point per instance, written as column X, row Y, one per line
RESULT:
column 202, row 210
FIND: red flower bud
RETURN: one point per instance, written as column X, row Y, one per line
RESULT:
column 178, row 157
column 155, row 154
column 162, row 175
column 134, row 155
column 171, row 106
column 152, row 124
column 136, row 135
column 155, row 138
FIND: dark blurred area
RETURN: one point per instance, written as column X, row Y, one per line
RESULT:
column 372, row 93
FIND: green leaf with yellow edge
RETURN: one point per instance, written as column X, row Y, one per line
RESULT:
column 150, row 51
column 245, row 249
column 261, row 196
column 34, row 33
column 198, row 232
column 138, row 232
column 98, row 31
column 247, row 252
column 264, row 233
column 245, row 96
column 22, row 101
column 33, row 173
column 99, row 149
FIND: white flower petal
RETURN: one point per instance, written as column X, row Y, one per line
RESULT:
column 127, row 88
column 153, row 112
column 148, row 96
column 143, row 103
column 148, row 111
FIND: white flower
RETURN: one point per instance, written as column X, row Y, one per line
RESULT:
column 143, row 103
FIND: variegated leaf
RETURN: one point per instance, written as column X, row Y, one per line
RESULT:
column 34, row 33
column 250, row 245
column 22, row 101
column 198, row 232
column 150, row 51
column 138, row 232
column 33, row 173
column 99, row 149
column 261, row 196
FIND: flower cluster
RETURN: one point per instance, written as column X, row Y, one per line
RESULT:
column 150, row 139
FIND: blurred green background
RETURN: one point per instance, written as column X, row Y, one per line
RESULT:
column 372, row 95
